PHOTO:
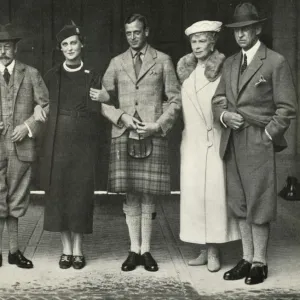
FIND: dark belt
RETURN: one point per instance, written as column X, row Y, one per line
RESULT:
column 75, row 114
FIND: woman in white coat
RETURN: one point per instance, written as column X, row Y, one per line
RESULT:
column 203, row 208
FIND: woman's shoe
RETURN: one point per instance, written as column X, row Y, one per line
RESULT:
column 65, row 261
column 213, row 259
column 78, row 262
column 200, row 260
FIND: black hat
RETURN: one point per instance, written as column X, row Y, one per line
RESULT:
column 67, row 31
column 245, row 14
column 8, row 34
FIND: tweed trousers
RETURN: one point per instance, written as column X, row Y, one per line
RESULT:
column 251, row 176
column 15, row 176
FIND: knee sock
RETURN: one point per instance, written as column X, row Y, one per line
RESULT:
column 133, row 220
column 12, row 227
column 260, row 240
column 2, row 223
column 247, row 240
column 147, row 213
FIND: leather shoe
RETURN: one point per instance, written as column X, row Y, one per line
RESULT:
column 257, row 274
column 240, row 271
column 149, row 262
column 65, row 261
column 132, row 261
column 20, row 260
column 78, row 262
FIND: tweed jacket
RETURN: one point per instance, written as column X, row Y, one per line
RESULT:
column 265, row 95
column 155, row 94
column 29, row 90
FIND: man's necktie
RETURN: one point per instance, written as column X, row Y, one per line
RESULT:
column 6, row 75
column 138, row 64
column 244, row 65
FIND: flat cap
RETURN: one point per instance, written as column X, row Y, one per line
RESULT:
column 203, row 26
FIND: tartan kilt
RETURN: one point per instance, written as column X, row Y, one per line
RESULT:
column 150, row 175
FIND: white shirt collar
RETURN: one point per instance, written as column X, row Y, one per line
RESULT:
column 10, row 67
column 142, row 51
column 251, row 52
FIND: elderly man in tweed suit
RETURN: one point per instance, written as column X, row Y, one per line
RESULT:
column 255, row 101
column 146, row 102
column 21, row 88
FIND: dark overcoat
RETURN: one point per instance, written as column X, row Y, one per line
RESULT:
column 52, row 80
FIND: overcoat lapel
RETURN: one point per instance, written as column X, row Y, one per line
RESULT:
column 253, row 67
column 127, row 64
column 235, row 69
column 148, row 62
column 19, row 74
column 189, row 87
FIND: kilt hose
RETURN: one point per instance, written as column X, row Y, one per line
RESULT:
column 251, row 176
column 15, row 176
column 150, row 175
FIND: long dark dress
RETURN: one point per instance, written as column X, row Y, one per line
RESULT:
column 69, row 199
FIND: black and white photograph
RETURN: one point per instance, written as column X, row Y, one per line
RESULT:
column 149, row 149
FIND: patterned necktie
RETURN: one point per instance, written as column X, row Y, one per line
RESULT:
column 138, row 64
column 6, row 75
column 244, row 65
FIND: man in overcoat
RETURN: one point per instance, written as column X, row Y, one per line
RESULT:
column 21, row 89
column 255, row 102
column 146, row 101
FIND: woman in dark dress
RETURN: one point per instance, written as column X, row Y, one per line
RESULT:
column 69, row 156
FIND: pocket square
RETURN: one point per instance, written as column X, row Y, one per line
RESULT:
column 261, row 80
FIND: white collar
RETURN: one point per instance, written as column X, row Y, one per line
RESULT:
column 10, row 67
column 70, row 69
column 251, row 52
column 142, row 51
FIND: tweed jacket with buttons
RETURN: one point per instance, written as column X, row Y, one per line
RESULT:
column 154, row 95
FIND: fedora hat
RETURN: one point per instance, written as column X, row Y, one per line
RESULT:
column 245, row 14
column 7, row 33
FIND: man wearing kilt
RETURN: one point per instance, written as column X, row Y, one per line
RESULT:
column 145, row 97
column 255, row 101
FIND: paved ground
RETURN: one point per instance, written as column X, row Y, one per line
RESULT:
column 107, row 247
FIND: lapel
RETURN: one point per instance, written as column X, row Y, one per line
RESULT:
column 148, row 62
column 253, row 67
column 127, row 64
column 192, row 94
column 235, row 69
column 19, row 73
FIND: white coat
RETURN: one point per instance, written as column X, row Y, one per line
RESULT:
column 203, row 206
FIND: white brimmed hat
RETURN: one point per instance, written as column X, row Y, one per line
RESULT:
column 203, row 26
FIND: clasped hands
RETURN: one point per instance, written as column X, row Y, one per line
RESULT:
column 233, row 120
column 144, row 129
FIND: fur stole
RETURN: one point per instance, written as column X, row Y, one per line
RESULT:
column 188, row 63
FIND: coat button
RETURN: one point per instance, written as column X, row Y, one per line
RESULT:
column 209, row 143
column 208, row 128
